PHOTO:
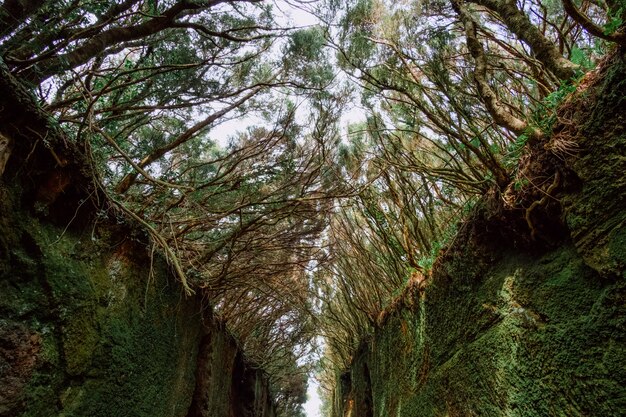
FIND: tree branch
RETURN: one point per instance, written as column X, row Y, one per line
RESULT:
column 100, row 42
column 496, row 109
column 589, row 26
column 518, row 22
column 14, row 12
column 129, row 179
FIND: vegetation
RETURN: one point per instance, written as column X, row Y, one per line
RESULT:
column 290, row 230
column 459, row 95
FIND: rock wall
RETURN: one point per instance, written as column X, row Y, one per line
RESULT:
column 529, row 336
column 101, row 336
column 518, row 330
column 90, row 323
column 90, row 326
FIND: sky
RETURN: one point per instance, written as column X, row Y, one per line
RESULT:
column 313, row 404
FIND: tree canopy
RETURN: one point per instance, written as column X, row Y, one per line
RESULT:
column 294, row 229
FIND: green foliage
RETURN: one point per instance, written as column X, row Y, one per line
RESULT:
column 615, row 21
column 307, row 56
column 427, row 261
column 544, row 115
column 357, row 25
column 447, row 237
column 514, row 151
column 307, row 44
column 580, row 57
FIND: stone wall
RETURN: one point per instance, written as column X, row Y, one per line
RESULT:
column 90, row 325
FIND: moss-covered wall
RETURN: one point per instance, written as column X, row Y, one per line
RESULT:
column 90, row 326
column 532, row 336
column 103, row 335
column 501, row 330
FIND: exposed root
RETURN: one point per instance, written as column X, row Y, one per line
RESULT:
column 5, row 151
column 562, row 146
column 563, row 142
column 542, row 202
column 413, row 289
column 170, row 255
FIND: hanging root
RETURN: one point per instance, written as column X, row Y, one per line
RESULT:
column 562, row 147
column 5, row 151
column 563, row 143
column 542, row 202
column 170, row 255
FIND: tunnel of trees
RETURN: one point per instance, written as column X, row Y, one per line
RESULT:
column 358, row 145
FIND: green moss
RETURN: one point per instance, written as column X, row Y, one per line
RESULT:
column 80, row 339
column 112, row 344
column 537, row 337
column 49, row 354
column 595, row 212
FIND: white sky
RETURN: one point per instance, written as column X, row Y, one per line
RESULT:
column 313, row 403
